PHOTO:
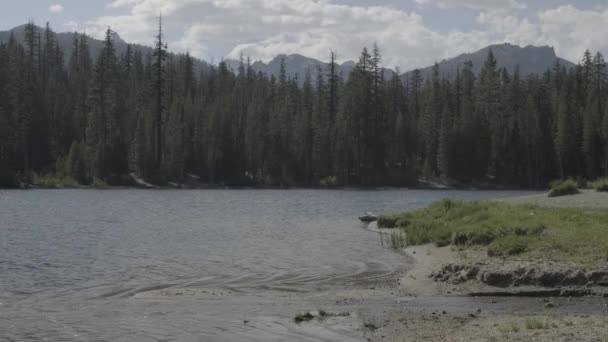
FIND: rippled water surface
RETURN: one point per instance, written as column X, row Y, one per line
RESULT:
column 78, row 264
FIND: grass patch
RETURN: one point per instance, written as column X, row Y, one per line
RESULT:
column 579, row 235
column 540, row 324
column 563, row 188
column 511, row 327
column 54, row 181
column 601, row 185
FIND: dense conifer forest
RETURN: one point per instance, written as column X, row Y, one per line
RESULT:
column 103, row 117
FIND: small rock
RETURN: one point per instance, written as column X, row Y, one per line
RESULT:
column 549, row 305
column 371, row 326
column 305, row 317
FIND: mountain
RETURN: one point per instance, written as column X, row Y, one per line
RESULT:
column 530, row 59
column 65, row 40
column 298, row 65
column 294, row 65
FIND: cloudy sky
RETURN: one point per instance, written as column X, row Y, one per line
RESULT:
column 410, row 33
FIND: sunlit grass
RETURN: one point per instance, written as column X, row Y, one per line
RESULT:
column 507, row 230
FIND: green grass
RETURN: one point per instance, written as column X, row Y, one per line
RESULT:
column 536, row 324
column 579, row 235
column 563, row 188
column 601, row 185
column 511, row 327
column 395, row 240
column 54, row 181
column 539, row 324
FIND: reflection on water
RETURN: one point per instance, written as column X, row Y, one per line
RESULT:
column 77, row 264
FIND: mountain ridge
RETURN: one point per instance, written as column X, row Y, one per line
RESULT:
column 530, row 59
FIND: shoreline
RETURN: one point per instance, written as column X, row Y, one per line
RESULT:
column 447, row 273
column 192, row 182
column 269, row 187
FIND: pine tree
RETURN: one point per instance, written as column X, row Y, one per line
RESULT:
column 430, row 122
column 102, row 129
column 164, row 116
column 158, row 90
column 443, row 153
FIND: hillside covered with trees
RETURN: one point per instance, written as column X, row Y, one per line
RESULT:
column 103, row 117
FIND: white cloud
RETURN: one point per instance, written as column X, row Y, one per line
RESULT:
column 569, row 29
column 264, row 28
column 474, row 4
column 56, row 8
column 572, row 30
column 71, row 26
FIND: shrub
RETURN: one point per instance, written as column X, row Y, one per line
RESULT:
column 54, row 181
column 563, row 188
column 329, row 181
column 508, row 245
column 601, row 185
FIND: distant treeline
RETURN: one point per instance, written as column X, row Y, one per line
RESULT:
column 102, row 117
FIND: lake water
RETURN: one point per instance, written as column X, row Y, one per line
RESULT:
column 82, row 265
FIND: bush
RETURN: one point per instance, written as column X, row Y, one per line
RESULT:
column 54, row 181
column 329, row 181
column 601, row 185
column 563, row 188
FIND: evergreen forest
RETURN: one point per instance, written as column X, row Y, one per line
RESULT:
column 158, row 116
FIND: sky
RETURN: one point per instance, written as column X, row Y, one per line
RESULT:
column 409, row 33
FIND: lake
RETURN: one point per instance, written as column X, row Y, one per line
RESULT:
column 189, row 265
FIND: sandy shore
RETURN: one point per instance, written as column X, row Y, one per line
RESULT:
column 531, row 319
column 444, row 312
